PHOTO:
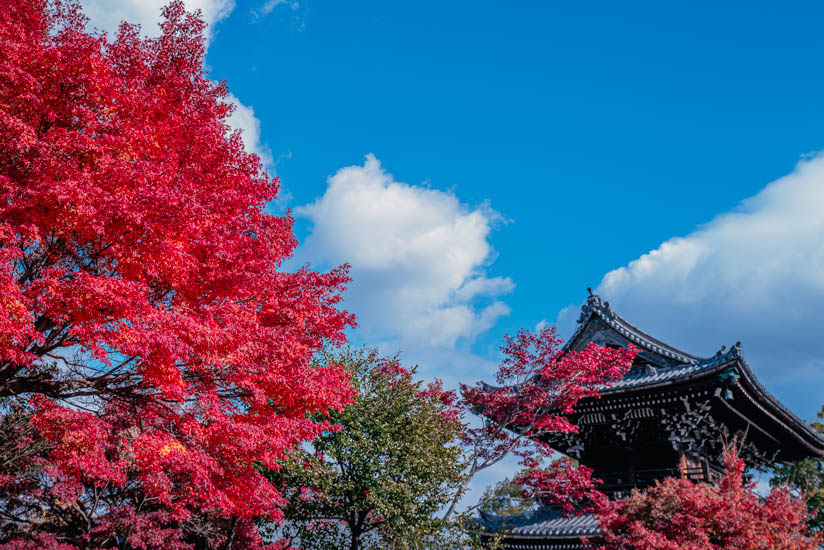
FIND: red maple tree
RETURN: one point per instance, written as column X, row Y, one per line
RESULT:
column 539, row 384
column 677, row 514
column 152, row 349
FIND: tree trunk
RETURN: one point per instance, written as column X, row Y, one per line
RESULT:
column 458, row 495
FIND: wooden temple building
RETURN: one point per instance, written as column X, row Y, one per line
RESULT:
column 668, row 417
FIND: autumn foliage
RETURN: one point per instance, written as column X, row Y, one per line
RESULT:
column 539, row 383
column 677, row 514
column 152, row 349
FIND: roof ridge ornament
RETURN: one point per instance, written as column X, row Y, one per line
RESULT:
column 725, row 354
column 595, row 303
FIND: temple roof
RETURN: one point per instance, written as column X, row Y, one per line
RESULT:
column 666, row 366
column 598, row 321
column 544, row 525
column 663, row 374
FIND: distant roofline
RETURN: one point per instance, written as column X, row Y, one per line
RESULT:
column 545, row 523
column 595, row 306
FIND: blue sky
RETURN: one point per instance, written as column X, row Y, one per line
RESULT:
column 523, row 151
column 598, row 130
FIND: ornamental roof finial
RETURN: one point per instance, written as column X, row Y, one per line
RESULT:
column 594, row 303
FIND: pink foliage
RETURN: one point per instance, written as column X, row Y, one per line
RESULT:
column 40, row 541
column 564, row 484
column 678, row 514
column 539, row 384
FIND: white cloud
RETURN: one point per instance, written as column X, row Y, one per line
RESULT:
column 269, row 6
column 243, row 118
column 107, row 14
column 755, row 274
column 418, row 257
column 419, row 285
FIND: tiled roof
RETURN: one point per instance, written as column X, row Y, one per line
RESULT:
column 648, row 375
column 545, row 522
column 651, row 376
column 596, row 307
column 687, row 365
column 644, row 376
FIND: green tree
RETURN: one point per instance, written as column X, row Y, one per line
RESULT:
column 806, row 478
column 506, row 498
column 380, row 479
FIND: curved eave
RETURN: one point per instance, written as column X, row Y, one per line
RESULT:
column 513, row 537
column 596, row 310
column 747, row 385
column 768, row 404
column 538, row 525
